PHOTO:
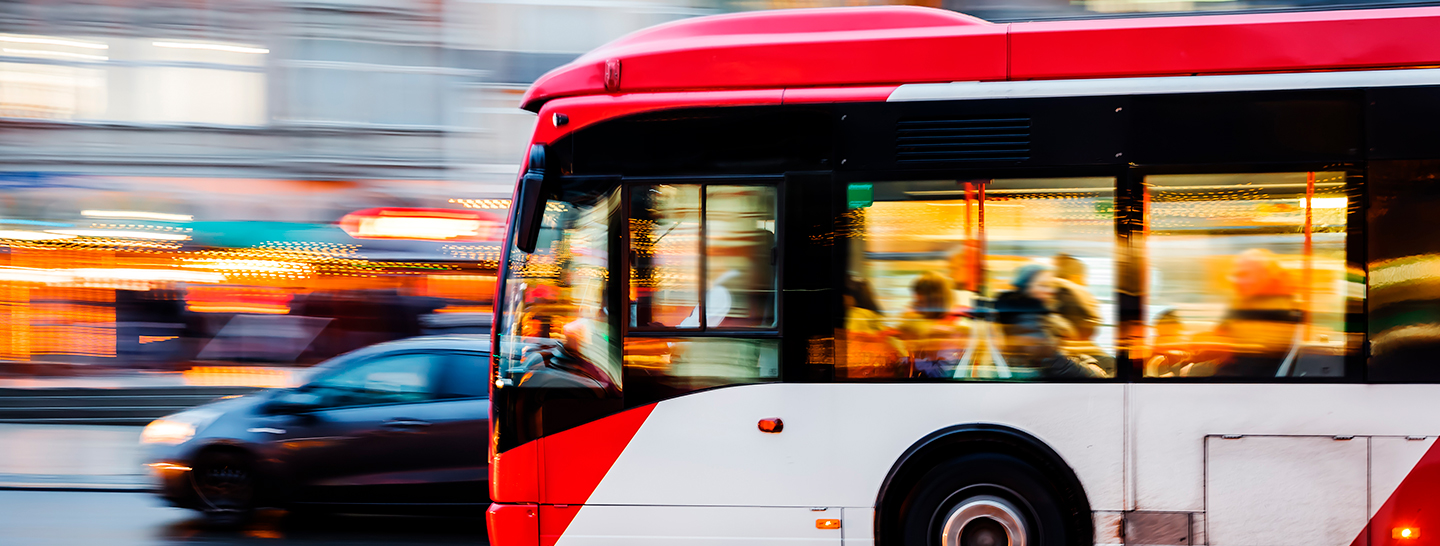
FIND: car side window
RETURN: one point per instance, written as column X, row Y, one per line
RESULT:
column 388, row 379
column 466, row 376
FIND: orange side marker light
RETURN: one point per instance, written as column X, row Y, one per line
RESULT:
column 1405, row 533
column 827, row 524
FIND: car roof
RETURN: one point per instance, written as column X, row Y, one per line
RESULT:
column 455, row 342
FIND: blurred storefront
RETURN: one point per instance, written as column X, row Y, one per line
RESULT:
column 162, row 273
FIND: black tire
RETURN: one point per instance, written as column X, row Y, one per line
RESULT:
column 981, row 475
column 226, row 485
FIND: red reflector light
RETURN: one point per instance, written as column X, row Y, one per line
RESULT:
column 772, row 425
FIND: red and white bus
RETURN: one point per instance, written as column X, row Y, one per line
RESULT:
column 898, row 276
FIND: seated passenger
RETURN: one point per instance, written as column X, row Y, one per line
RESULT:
column 1170, row 350
column 1257, row 333
column 1075, row 303
column 867, row 346
column 1033, row 331
column 1073, row 300
column 934, row 339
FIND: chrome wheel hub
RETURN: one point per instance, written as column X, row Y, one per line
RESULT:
column 984, row 521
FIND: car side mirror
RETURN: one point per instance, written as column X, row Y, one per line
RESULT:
column 294, row 402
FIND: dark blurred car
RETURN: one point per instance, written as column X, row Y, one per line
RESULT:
column 394, row 426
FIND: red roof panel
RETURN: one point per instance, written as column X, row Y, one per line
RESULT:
column 1218, row 44
column 878, row 46
column 789, row 48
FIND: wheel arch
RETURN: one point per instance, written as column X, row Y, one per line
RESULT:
column 959, row 440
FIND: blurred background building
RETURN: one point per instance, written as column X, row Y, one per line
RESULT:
column 278, row 181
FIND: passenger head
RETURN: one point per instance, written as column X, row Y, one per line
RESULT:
column 1258, row 272
column 859, row 294
column 1034, row 280
column 1168, row 325
column 933, row 297
column 1069, row 268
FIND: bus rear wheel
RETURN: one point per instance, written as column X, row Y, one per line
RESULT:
column 984, row 499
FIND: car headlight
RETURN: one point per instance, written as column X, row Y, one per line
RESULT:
column 177, row 428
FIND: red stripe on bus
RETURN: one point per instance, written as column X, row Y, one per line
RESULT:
column 1415, row 504
column 574, row 462
column 515, row 474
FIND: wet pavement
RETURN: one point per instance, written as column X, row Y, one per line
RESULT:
column 46, row 518
column 86, row 484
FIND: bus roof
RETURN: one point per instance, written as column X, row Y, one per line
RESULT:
column 892, row 45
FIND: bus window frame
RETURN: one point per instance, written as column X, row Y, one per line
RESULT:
column 1356, row 360
column 1118, row 173
column 628, row 185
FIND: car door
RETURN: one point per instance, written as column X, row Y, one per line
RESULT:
column 372, row 428
column 456, row 442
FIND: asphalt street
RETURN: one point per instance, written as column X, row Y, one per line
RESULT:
column 57, row 518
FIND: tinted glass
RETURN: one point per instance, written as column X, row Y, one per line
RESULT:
column 388, row 379
column 556, row 299
column 740, row 256
column 719, row 236
column 1404, row 281
column 660, row 368
column 665, row 256
column 980, row 279
column 1247, row 275
column 465, row 376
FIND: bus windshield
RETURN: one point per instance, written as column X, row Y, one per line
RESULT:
column 554, row 327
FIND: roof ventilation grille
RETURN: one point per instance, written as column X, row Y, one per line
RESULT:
column 949, row 140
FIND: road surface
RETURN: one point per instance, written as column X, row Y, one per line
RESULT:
column 56, row 518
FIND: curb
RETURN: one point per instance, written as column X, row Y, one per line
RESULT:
column 75, row 483
column 75, row 488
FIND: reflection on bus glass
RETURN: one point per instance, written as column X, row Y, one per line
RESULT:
column 980, row 279
column 661, row 368
column 1404, row 270
column 665, row 247
column 555, row 331
column 735, row 262
column 1247, row 275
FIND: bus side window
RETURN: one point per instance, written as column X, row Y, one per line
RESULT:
column 703, row 259
column 665, row 256
column 710, row 245
column 983, row 279
column 1247, row 275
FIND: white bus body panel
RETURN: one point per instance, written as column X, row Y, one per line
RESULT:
column 840, row 440
column 699, row 464
column 1170, row 423
column 709, row 525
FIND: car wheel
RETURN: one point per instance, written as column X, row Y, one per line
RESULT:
column 224, row 482
column 984, row 500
